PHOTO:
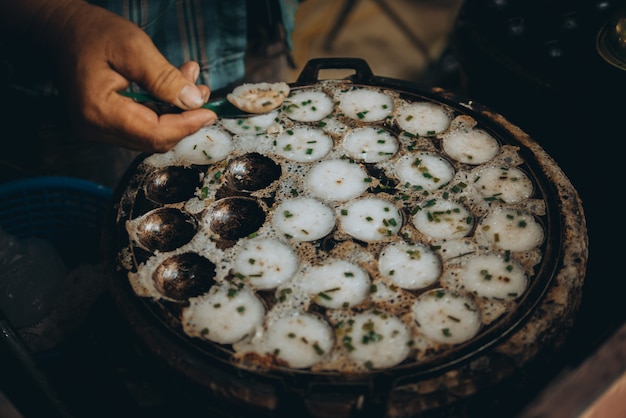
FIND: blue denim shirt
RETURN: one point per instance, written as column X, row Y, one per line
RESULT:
column 213, row 33
column 210, row 32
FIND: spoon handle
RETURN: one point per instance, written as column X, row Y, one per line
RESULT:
column 222, row 107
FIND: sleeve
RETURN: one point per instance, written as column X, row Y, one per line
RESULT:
column 288, row 9
column 210, row 32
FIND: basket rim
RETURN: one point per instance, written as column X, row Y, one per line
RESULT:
column 56, row 182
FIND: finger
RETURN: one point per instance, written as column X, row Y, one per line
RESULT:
column 191, row 71
column 161, row 133
column 134, row 126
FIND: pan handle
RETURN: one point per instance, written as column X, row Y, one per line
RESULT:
column 310, row 72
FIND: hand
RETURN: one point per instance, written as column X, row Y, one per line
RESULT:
column 98, row 54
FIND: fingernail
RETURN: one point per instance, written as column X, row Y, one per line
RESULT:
column 191, row 97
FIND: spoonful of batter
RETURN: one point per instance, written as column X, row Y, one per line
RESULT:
column 246, row 100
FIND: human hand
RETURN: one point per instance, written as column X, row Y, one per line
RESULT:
column 98, row 54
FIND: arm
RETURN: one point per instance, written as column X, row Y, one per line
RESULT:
column 98, row 53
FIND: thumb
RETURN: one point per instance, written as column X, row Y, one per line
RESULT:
column 168, row 83
column 150, row 69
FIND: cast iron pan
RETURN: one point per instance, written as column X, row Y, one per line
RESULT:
column 210, row 365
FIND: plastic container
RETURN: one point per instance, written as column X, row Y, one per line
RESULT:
column 60, row 219
column 67, row 212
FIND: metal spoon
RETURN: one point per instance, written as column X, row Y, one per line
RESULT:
column 222, row 107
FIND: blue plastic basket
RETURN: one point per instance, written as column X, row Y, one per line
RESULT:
column 67, row 212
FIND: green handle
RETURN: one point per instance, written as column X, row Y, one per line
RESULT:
column 222, row 107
